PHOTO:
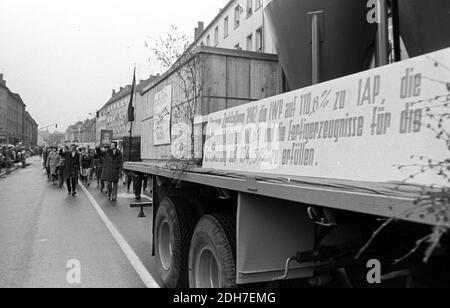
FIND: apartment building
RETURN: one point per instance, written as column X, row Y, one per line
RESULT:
column 241, row 24
column 114, row 114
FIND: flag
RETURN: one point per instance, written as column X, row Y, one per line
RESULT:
column 130, row 105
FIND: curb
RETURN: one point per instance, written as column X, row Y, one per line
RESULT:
column 9, row 171
column 12, row 170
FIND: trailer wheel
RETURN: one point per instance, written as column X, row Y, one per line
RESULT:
column 174, row 225
column 212, row 257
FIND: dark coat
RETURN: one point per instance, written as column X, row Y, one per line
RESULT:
column 98, row 161
column 87, row 162
column 72, row 164
column 112, row 165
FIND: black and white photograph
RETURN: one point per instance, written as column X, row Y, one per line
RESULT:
column 246, row 146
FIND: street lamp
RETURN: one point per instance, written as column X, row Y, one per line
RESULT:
column 48, row 126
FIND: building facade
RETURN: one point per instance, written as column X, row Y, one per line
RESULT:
column 15, row 118
column 15, row 125
column 56, row 139
column 241, row 24
column 30, row 130
column 114, row 114
column 88, row 132
column 3, row 111
column 72, row 133
column 81, row 132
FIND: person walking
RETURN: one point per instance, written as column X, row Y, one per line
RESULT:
column 44, row 160
column 72, row 166
column 98, row 165
column 63, row 175
column 86, row 167
column 112, row 167
column 53, row 160
column 129, row 179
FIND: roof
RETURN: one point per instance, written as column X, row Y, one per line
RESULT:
column 119, row 95
column 212, row 23
column 16, row 96
column 127, row 91
column 145, row 83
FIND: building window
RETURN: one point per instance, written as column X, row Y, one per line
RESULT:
column 216, row 36
column 208, row 41
column 259, row 40
column 225, row 27
column 250, row 42
column 237, row 16
column 249, row 8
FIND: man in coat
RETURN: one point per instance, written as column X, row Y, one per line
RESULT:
column 112, row 167
column 72, row 166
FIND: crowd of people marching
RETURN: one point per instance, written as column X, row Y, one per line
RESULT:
column 69, row 164
column 15, row 154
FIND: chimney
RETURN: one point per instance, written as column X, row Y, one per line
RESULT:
column 199, row 30
column 113, row 92
column 2, row 81
column 201, row 27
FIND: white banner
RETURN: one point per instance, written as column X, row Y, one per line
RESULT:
column 162, row 116
column 386, row 124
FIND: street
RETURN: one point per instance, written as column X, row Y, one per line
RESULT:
column 42, row 229
column 270, row 144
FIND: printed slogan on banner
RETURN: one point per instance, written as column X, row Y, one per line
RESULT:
column 361, row 127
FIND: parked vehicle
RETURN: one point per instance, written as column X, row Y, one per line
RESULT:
column 262, row 186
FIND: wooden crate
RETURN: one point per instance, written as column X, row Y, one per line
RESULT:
column 229, row 78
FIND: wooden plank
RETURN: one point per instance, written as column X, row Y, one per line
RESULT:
column 264, row 79
column 238, row 80
column 214, row 84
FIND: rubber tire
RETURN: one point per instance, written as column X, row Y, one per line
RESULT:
column 181, row 223
column 218, row 233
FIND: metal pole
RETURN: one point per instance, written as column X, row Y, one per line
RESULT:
column 129, row 144
column 383, row 34
column 315, row 38
column 396, row 27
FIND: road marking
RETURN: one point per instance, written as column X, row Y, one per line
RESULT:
column 140, row 269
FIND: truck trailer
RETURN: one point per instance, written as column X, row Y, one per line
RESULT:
column 310, row 166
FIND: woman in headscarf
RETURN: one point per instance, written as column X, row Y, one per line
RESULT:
column 86, row 166
column 53, row 160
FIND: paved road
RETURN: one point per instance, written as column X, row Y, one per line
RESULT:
column 42, row 228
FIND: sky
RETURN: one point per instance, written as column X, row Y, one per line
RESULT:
column 64, row 57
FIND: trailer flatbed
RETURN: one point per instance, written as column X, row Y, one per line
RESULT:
column 389, row 200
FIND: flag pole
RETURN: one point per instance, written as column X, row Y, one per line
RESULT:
column 131, row 137
column 132, row 119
